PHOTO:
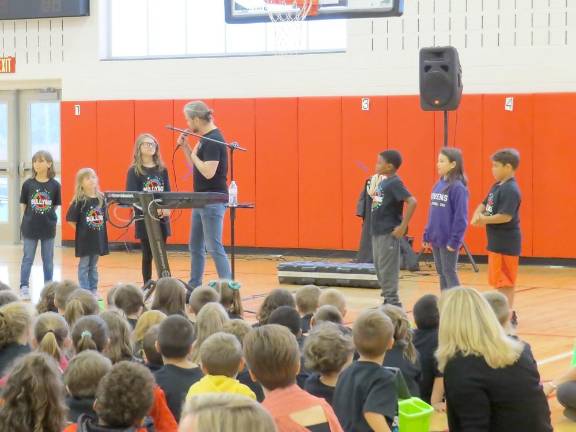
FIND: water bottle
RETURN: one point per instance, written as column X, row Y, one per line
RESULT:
column 233, row 194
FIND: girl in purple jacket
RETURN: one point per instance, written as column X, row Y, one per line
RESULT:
column 448, row 216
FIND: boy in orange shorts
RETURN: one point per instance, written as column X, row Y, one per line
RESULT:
column 499, row 212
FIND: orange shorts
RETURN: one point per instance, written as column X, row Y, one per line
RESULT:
column 502, row 270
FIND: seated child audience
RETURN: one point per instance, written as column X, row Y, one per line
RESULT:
column 327, row 351
column 62, row 291
column 152, row 358
column 210, row 320
column 220, row 361
column 201, row 296
column 170, row 297
column 130, row 300
column 110, row 305
column 8, row 297
column 273, row 359
column 335, row 298
column 178, row 374
column 80, row 303
column 365, row 397
column 81, row 379
column 224, row 412
column 119, row 346
column 52, row 337
column 46, row 301
column 499, row 304
column 90, row 333
column 276, row 298
column 116, row 412
column 147, row 320
column 33, row 398
column 15, row 333
column 230, row 297
column 307, row 303
column 403, row 354
column 327, row 313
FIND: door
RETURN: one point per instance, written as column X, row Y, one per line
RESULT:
column 9, row 182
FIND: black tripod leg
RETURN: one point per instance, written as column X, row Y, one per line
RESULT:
column 471, row 258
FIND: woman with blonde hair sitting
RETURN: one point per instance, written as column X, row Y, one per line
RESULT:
column 492, row 383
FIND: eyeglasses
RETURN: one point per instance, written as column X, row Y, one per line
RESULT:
column 148, row 144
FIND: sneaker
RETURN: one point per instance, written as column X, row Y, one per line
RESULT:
column 24, row 293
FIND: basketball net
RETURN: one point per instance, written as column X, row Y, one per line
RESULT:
column 288, row 17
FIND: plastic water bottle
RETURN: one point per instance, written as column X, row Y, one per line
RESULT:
column 233, row 194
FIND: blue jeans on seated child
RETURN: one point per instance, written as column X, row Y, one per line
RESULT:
column 446, row 263
column 47, row 252
column 88, row 272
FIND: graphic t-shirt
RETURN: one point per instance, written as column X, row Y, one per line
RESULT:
column 388, row 205
column 91, row 235
column 41, row 199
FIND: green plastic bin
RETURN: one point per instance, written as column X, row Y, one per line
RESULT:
column 415, row 415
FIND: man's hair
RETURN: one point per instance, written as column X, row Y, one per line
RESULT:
column 328, row 313
column 499, row 304
column 149, row 346
column 372, row 333
column 114, row 406
column 175, row 337
column 426, row 313
column 129, row 299
column 393, row 157
column 201, row 296
column 273, row 356
column 508, row 156
column 238, row 328
column 221, row 354
column 85, row 372
column 333, row 297
column 327, row 349
column 288, row 317
column 307, row 299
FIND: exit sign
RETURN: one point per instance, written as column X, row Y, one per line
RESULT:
column 7, row 64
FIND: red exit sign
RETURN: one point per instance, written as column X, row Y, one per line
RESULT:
column 7, row 64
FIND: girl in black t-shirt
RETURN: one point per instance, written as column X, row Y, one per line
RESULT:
column 40, row 197
column 148, row 174
column 87, row 214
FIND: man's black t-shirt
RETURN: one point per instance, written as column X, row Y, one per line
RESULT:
column 176, row 381
column 426, row 343
column 315, row 387
column 388, row 205
column 365, row 387
column 91, row 235
column 412, row 372
column 41, row 199
column 504, row 198
column 211, row 151
column 153, row 180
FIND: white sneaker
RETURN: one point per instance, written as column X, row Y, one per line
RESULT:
column 24, row 293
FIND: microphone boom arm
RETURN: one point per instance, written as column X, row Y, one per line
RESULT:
column 232, row 146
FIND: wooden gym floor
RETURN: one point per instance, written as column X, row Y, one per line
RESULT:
column 545, row 300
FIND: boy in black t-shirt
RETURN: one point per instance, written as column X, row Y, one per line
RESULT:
column 388, row 226
column 365, row 398
column 499, row 212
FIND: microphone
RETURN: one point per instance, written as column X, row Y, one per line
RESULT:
column 231, row 146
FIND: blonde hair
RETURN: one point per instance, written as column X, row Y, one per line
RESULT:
column 210, row 320
column 79, row 193
column 229, row 292
column 402, row 331
column 15, row 321
column 224, row 412
column 51, row 331
column 80, row 303
column 62, row 292
column 137, row 163
column 43, row 155
column 372, row 332
column 469, row 327
column 238, row 328
column 147, row 320
column 221, row 354
column 333, row 297
column 307, row 298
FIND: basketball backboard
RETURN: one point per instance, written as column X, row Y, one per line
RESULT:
column 253, row 11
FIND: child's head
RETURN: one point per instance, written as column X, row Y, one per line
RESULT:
column 15, row 324
column 272, row 355
column 43, row 164
column 119, row 347
column 402, row 331
column 450, row 165
column 110, row 297
column 147, row 319
column 8, row 297
column 221, row 354
column 150, row 354
column 86, row 186
column 499, row 304
column 307, row 299
column 238, row 328
column 80, row 303
column 175, row 337
column 62, row 292
column 84, row 373
column 201, row 296
column 327, row 313
column 51, row 334
column 46, row 302
column 373, row 333
column 210, row 320
column 388, row 162
column 90, row 333
column 277, row 297
column 328, row 349
column 426, row 313
column 229, row 291
column 288, row 317
column 335, row 298
column 505, row 163
column 148, row 146
column 129, row 299
column 170, row 296
column 113, row 407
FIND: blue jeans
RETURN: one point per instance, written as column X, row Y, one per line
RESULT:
column 206, row 235
column 446, row 263
column 88, row 272
column 47, row 252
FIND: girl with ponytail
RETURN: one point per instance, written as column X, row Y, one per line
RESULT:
column 80, row 303
column 90, row 333
column 52, row 337
column 15, row 326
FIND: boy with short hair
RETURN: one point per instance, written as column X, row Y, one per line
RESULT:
column 201, row 296
column 332, row 296
column 175, row 339
column 388, row 225
column 499, row 304
column 273, row 359
column 499, row 212
column 365, row 397
column 307, row 302
column 152, row 358
column 220, row 360
column 327, row 313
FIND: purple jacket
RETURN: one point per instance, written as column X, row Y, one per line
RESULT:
column 448, row 216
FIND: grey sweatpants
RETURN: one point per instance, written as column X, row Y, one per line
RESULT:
column 386, row 251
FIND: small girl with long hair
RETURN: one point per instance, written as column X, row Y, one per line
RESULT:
column 87, row 214
column 170, row 297
column 403, row 354
column 52, row 337
column 148, row 174
column 276, row 298
column 80, row 303
column 210, row 320
column 229, row 297
column 90, row 333
column 15, row 330
column 448, row 216
column 40, row 196
column 119, row 347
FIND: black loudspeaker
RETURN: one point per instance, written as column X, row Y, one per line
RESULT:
column 440, row 79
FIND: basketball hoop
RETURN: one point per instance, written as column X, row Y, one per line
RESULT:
column 287, row 17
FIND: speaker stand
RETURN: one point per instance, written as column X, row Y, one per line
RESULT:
column 464, row 245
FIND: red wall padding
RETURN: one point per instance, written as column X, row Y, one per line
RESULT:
column 308, row 160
